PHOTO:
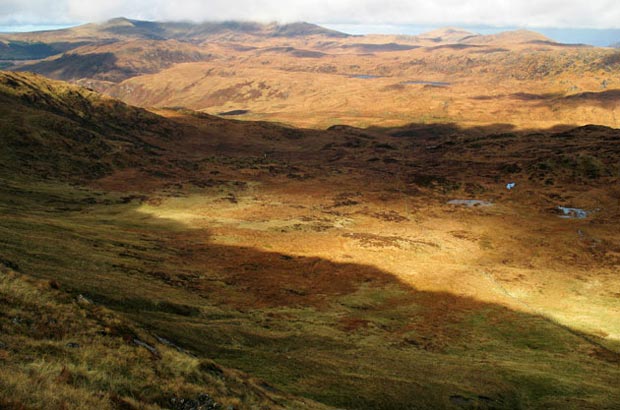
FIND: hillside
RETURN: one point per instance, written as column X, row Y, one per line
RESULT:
column 117, row 61
column 533, row 86
column 52, row 129
column 447, row 35
column 88, row 357
column 339, row 268
column 58, row 348
column 510, row 37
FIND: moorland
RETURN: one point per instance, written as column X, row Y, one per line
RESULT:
column 249, row 216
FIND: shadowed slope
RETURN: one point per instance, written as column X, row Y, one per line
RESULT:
column 86, row 357
column 326, row 263
column 54, row 129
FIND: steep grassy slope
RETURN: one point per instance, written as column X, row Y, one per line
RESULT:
column 327, row 264
column 60, row 352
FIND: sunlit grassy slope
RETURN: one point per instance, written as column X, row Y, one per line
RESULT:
column 327, row 265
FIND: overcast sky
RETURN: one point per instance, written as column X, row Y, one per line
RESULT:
column 521, row 13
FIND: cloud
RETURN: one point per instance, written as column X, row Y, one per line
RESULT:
column 525, row 13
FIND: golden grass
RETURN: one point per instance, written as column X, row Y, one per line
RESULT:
column 526, row 86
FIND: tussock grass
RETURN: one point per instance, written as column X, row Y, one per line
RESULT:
column 57, row 353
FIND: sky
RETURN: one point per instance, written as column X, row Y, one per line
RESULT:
column 359, row 15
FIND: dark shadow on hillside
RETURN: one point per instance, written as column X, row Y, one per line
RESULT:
column 608, row 99
column 556, row 44
column 293, row 51
column 490, row 50
column 534, row 97
column 450, row 128
column 453, row 47
column 452, row 157
column 71, row 67
column 384, row 47
column 22, row 50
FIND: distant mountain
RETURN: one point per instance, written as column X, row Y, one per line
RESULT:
column 202, row 31
column 446, row 35
column 43, row 44
column 303, row 29
column 124, row 29
column 510, row 37
column 280, row 72
column 451, row 35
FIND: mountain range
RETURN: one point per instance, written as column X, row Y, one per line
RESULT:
column 277, row 72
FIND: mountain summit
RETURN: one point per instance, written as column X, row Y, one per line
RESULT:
column 447, row 35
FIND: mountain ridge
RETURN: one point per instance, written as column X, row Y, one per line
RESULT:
column 122, row 28
column 179, row 30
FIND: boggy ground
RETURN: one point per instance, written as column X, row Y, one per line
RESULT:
column 329, row 265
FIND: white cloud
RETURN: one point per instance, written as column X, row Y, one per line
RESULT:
column 526, row 13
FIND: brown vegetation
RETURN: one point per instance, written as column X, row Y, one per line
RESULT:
column 326, row 264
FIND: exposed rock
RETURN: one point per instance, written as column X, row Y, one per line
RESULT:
column 202, row 402
column 169, row 343
column 153, row 350
column 83, row 300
